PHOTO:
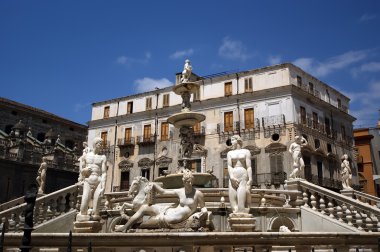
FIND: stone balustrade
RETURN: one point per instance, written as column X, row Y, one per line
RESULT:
column 362, row 197
column 353, row 212
column 12, row 203
column 46, row 208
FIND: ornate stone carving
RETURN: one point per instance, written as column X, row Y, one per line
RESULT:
column 199, row 150
column 275, row 147
column 145, row 163
column 163, row 161
column 125, row 165
column 253, row 149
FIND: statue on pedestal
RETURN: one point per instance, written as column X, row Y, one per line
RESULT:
column 41, row 176
column 186, row 73
column 184, row 215
column 295, row 150
column 93, row 177
column 346, row 172
column 240, row 173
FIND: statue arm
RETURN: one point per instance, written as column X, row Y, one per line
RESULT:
column 104, row 173
column 291, row 148
column 201, row 201
column 249, row 167
column 163, row 191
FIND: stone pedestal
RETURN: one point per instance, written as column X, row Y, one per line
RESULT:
column 87, row 226
column 241, row 222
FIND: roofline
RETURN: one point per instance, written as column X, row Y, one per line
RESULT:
column 41, row 111
column 261, row 69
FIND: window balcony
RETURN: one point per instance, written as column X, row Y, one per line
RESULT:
column 145, row 140
column 126, row 141
column 277, row 120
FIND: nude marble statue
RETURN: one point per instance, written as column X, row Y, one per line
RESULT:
column 186, row 73
column 298, row 163
column 41, row 176
column 93, row 175
column 240, row 173
column 346, row 172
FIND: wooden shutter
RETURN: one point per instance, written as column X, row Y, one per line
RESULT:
column 228, row 121
column 249, row 118
column 104, row 137
column 128, row 134
column 164, row 131
column 147, row 131
column 165, row 100
column 124, row 181
column 106, row 112
column 228, row 88
column 303, row 115
column 197, row 128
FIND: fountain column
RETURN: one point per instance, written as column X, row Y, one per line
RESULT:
column 186, row 119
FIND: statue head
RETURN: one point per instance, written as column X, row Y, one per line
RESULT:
column 236, row 139
column 97, row 143
column 344, row 157
column 187, row 176
column 187, row 61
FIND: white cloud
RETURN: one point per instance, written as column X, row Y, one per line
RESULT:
column 367, row 67
column 182, row 54
column 233, row 49
column 148, row 84
column 367, row 17
column 367, row 105
column 274, row 59
column 128, row 61
column 334, row 63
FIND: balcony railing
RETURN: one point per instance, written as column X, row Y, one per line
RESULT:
column 126, row 141
column 145, row 140
column 228, row 128
column 273, row 178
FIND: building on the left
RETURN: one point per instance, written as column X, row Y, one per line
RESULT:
column 26, row 135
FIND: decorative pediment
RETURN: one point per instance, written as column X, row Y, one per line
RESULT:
column 125, row 165
column 163, row 161
column 275, row 147
column 199, row 150
column 320, row 152
column 223, row 154
column 145, row 163
column 253, row 149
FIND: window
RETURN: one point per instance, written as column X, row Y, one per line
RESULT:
column 197, row 128
column 317, row 143
column 276, row 168
column 339, row 103
column 311, row 87
column 307, row 170
column 147, row 132
column 249, row 118
column 164, row 131
column 303, row 115
column 228, row 121
column 165, row 102
column 329, row 148
column 162, row 171
column 148, row 103
column 130, row 107
column 197, row 95
column 299, row 81
column 103, row 136
column 343, row 132
column 226, row 176
column 327, row 126
column 320, row 172
column 254, row 172
column 124, row 181
column 247, row 84
column 315, row 120
column 145, row 173
column 106, row 112
column 196, row 165
column 227, row 88
column 128, row 135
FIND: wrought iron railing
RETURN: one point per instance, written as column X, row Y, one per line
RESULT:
column 276, row 120
column 145, row 139
column 126, row 141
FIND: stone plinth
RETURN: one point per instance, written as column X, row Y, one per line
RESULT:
column 87, row 226
column 241, row 222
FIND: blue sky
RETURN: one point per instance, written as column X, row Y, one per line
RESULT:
column 61, row 56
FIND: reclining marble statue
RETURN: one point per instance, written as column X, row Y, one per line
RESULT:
column 295, row 150
column 93, row 177
column 183, row 215
column 240, row 176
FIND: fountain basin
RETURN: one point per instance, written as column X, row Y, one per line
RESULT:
column 172, row 181
column 188, row 119
column 190, row 87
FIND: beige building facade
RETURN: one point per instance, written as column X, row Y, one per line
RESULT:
column 267, row 107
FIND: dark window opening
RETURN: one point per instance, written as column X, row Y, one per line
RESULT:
column 14, row 112
column 8, row 129
column 41, row 136
column 275, row 137
column 317, row 143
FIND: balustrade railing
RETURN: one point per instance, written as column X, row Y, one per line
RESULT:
column 47, row 207
column 354, row 213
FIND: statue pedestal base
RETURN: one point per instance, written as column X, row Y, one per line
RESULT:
column 87, row 226
column 242, row 222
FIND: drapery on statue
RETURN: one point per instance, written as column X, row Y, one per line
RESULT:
column 240, row 173
column 186, row 73
column 182, row 215
column 295, row 150
column 41, row 176
column 93, row 176
column 346, row 172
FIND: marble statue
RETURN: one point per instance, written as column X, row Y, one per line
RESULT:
column 93, row 171
column 295, row 150
column 186, row 73
column 181, row 215
column 346, row 172
column 240, row 173
column 41, row 176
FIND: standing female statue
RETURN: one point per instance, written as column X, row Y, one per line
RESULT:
column 94, row 174
column 41, row 176
column 346, row 172
column 295, row 150
column 240, row 173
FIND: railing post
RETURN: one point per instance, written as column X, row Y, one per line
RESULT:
column 30, row 198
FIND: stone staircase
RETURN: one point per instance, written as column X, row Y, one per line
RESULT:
column 50, row 208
